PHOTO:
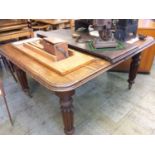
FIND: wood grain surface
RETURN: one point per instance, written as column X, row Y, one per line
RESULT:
column 70, row 81
column 74, row 61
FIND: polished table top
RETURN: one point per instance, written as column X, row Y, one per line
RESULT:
column 71, row 81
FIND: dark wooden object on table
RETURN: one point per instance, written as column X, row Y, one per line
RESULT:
column 56, row 47
column 68, row 36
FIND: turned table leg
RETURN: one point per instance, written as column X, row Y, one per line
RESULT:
column 133, row 69
column 22, row 78
column 67, row 110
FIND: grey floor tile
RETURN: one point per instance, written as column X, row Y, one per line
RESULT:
column 102, row 106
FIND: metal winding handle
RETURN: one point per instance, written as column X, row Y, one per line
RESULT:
column 62, row 51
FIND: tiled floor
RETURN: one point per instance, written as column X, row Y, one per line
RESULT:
column 102, row 106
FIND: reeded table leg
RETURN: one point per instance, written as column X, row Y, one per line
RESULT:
column 133, row 69
column 67, row 110
column 22, row 78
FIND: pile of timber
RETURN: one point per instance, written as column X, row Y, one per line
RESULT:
column 50, row 24
column 14, row 30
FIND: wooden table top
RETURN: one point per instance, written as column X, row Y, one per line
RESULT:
column 56, row 82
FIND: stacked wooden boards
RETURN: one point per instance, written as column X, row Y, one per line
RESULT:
column 8, row 25
column 14, row 29
column 74, row 61
column 49, row 24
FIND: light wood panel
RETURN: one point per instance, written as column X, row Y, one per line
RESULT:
column 74, row 61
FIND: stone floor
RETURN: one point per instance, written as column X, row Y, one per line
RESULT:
column 102, row 106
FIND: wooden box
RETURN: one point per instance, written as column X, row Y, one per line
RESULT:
column 56, row 47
